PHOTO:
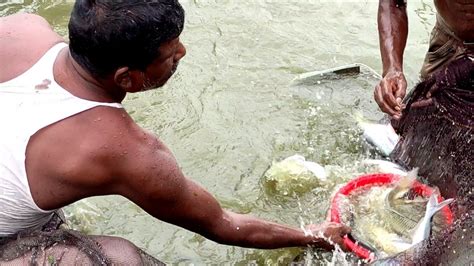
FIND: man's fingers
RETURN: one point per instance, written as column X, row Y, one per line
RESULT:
column 382, row 103
column 337, row 240
column 344, row 247
column 343, row 229
column 399, row 95
column 401, row 88
column 346, row 230
column 388, row 94
column 340, row 242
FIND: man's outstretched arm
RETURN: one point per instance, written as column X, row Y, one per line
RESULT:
column 152, row 179
column 393, row 32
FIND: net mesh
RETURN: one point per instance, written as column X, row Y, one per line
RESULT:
column 59, row 246
column 437, row 135
column 437, row 130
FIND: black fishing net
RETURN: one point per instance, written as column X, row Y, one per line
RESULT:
column 58, row 246
column 437, row 130
column 437, row 136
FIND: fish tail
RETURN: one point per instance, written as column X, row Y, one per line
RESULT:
column 433, row 206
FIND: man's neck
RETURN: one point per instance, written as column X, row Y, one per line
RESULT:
column 102, row 90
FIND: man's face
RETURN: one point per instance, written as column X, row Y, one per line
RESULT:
column 163, row 67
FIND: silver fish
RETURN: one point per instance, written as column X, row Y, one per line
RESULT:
column 385, row 166
column 392, row 220
column 398, row 209
column 422, row 230
column 400, row 222
column 381, row 136
column 404, row 208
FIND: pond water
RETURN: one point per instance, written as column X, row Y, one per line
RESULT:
column 231, row 109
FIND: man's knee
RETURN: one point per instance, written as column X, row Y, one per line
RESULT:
column 119, row 250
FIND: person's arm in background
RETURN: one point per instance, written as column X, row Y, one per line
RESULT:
column 393, row 32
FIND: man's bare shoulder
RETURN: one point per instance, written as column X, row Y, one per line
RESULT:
column 87, row 155
column 110, row 136
column 24, row 38
column 121, row 134
column 121, row 155
column 21, row 17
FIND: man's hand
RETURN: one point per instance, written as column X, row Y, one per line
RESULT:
column 328, row 234
column 390, row 92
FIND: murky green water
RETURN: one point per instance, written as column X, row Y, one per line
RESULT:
column 231, row 110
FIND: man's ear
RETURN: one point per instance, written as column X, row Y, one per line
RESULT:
column 123, row 79
column 128, row 80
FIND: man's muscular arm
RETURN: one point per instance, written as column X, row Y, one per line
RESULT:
column 393, row 32
column 149, row 176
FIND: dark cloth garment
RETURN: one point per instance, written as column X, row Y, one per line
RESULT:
column 55, row 245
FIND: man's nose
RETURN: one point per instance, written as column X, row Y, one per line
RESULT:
column 181, row 52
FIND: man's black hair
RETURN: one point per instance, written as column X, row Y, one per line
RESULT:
column 105, row 35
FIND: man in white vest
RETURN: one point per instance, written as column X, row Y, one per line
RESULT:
column 65, row 137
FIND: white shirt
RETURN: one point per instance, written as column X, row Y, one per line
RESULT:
column 29, row 103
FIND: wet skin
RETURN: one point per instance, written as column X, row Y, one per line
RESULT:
column 102, row 151
column 393, row 32
column 459, row 15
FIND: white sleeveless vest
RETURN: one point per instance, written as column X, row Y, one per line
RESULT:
column 29, row 103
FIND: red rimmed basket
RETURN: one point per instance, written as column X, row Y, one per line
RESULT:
column 371, row 180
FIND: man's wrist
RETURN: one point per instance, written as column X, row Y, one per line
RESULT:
column 311, row 237
column 392, row 69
